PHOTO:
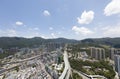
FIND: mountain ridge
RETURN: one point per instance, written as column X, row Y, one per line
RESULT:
column 113, row 42
column 7, row 42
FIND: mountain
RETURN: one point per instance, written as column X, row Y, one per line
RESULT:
column 63, row 40
column 114, row 42
column 7, row 42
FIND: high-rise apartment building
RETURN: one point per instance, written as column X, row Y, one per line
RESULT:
column 97, row 53
column 112, row 53
column 117, row 63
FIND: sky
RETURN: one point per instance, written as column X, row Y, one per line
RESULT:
column 72, row 19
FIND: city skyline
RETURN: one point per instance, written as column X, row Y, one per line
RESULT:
column 53, row 19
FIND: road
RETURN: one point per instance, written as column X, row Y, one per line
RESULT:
column 67, row 70
column 27, row 59
column 116, row 76
column 85, row 76
column 81, row 74
column 4, row 70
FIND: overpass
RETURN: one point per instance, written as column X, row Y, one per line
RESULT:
column 67, row 70
column 27, row 59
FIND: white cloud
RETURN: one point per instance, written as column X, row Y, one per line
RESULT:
column 46, row 13
column 50, row 28
column 8, row 32
column 59, row 33
column 53, row 35
column 82, row 30
column 11, row 32
column 45, row 37
column 33, row 29
column 112, row 8
column 63, row 28
column 19, row 23
column 36, row 28
column 86, row 17
column 112, row 31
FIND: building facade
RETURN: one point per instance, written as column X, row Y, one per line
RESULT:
column 97, row 53
column 117, row 63
column 112, row 53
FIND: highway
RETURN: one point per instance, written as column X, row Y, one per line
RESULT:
column 85, row 76
column 81, row 74
column 67, row 70
column 27, row 59
column 4, row 70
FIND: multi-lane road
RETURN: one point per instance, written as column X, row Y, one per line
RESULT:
column 67, row 70
column 27, row 59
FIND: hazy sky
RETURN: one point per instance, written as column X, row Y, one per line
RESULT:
column 74, row 19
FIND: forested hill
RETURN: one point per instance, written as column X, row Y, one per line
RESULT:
column 7, row 42
column 114, row 42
